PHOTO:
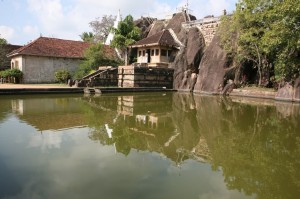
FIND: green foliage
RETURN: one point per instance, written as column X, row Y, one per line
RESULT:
column 16, row 73
column 126, row 34
column 95, row 56
column 87, row 37
column 265, row 33
column 3, row 51
column 3, row 41
column 62, row 75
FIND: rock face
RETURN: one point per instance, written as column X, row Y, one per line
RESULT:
column 289, row 92
column 144, row 23
column 156, row 27
column 212, row 69
column 187, row 60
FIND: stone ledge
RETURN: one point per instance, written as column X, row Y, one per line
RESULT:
column 253, row 93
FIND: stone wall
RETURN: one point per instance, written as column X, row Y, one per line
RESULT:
column 135, row 76
column 207, row 26
column 42, row 69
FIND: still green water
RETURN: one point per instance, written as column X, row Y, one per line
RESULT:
column 148, row 145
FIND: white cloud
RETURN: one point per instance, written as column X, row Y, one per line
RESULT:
column 7, row 32
column 68, row 19
column 31, row 30
column 202, row 8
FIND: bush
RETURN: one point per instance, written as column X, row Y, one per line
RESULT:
column 15, row 73
column 62, row 76
column 12, row 75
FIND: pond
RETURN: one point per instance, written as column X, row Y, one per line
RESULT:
column 148, row 145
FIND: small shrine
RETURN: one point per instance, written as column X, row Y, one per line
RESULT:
column 154, row 54
column 157, row 50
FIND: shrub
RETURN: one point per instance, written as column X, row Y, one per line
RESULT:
column 15, row 73
column 62, row 76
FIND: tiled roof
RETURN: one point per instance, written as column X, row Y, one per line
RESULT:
column 163, row 38
column 52, row 47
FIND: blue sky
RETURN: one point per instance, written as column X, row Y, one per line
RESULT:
column 22, row 21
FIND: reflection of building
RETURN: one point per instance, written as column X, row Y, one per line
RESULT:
column 148, row 122
column 49, row 113
column 17, row 106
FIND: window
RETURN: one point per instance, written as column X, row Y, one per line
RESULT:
column 163, row 52
column 156, row 52
column 169, row 53
column 143, row 53
column 152, row 52
column 140, row 53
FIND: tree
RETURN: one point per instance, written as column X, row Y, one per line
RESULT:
column 126, row 34
column 267, row 35
column 95, row 56
column 282, row 39
column 102, row 28
column 87, row 37
column 3, row 51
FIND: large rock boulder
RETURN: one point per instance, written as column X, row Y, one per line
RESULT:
column 289, row 92
column 187, row 60
column 212, row 69
column 145, row 24
column 297, row 90
column 156, row 27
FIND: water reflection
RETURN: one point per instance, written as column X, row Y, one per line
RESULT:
column 254, row 144
column 148, row 122
column 49, row 112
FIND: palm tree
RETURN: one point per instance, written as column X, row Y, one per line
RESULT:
column 87, row 37
column 126, row 34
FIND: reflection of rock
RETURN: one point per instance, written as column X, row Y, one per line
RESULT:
column 288, row 110
column 243, row 139
column 146, row 122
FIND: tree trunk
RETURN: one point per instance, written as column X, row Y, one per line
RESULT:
column 259, row 66
column 237, row 75
column 126, row 57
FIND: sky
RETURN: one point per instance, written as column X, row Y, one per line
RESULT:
column 22, row 21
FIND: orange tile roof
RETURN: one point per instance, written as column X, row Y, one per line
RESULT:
column 53, row 47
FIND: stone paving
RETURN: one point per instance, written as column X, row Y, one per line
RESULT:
column 12, row 86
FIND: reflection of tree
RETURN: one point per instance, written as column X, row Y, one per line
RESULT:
column 5, row 107
column 257, row 148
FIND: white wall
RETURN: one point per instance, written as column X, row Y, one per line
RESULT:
column 42, row 69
